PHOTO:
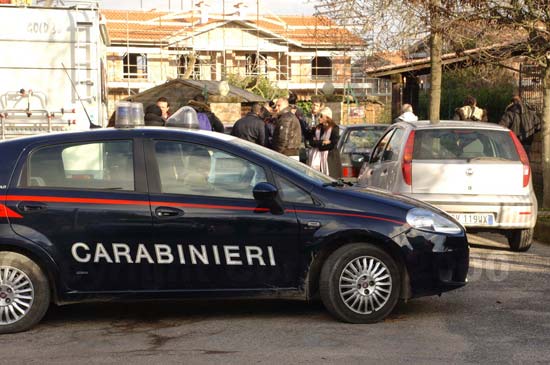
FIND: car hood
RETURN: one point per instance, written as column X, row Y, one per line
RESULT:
column 396, row 199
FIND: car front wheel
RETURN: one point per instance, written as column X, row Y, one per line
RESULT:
column 360, row 283
column 520, row 239
column 24, row 293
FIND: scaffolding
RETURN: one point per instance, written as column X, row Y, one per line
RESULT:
column 295, row 54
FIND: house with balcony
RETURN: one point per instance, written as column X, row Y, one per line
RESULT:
column 303, row 54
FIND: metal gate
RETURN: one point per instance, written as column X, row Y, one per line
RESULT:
column 530, row 85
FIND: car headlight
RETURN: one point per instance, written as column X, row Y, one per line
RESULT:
column 426, row 220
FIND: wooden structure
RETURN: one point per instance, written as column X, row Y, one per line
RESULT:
column 228, row 108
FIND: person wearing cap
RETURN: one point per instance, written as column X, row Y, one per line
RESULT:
column 323, row 155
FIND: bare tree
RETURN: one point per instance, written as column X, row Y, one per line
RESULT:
column 524, row 30
column 397, row 24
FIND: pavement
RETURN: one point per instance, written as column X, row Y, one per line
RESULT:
column 502, row 316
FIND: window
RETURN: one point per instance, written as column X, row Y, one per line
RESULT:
column 291, row 193
column 184, row 62
column 135, row 65
column 463, row 144
column 104, row 165
column 321, row 68
column 391, row 153
column 186, row 168
column 256, row 64
column 381, row 146
column 359, row 140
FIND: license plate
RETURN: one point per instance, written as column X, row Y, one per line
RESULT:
column 474, row 219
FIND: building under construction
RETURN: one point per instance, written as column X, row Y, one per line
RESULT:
column 305, row 55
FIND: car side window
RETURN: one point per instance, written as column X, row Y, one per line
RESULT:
column 192, row 169
column 393, row 148
column 381, row 146
column 291, row 193
column 97, row 165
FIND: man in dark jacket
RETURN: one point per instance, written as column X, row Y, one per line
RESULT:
column 199, row 104
column 287, row 135
column 523, row 121
column 153, row 116
column 251, row 127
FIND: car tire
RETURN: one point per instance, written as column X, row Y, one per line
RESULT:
column 520, row 239
column 24, row 293
column 360, row 283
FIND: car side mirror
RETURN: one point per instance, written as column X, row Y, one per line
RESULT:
column 267, row 196
column 264, row 191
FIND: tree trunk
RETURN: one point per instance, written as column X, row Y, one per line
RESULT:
column 435, row 74
column 192, row 59
column 546, row 138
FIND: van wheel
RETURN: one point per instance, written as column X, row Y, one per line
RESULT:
column 360, row 283
column 24, row 293
column 520, row 239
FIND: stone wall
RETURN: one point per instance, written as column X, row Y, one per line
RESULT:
column 361, row 113
column 228, row 113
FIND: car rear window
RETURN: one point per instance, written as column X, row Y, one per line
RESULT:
column 360, row 139
column 463, row 144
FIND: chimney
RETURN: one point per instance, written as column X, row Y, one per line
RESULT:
column 203, row 11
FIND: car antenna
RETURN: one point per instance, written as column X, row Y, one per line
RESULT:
column 92, row 125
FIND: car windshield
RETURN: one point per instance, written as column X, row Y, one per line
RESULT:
column 294, row 165
column 362, row 139
column 463, row 144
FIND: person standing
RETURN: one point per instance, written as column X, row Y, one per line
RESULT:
column 205, row 115
column 406, row 115
column 164, row 106
column 287, row 133
column 523, row 121
column 324, row 155
column 251, row 128
column 470, row 111
column 153, row 116
column 316, row 105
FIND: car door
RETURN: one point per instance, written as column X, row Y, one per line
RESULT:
column 390, row 161
column 375, row 174
column 205, row 215
column 86, row 204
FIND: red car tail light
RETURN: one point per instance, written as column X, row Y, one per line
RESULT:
column 407, row 159
column 523, row 158
column 348, row 171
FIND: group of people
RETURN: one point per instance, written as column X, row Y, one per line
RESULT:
column 158, row 113
column 282, row 126
column 518, row 117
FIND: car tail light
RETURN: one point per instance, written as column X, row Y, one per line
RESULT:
column 349, row 171
column 523, row 158
column 407, row 159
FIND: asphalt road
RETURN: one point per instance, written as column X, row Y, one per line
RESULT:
column 502, row 316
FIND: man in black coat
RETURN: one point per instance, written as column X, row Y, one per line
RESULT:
column 251, row 127
column 153, row 116
column 523, row 121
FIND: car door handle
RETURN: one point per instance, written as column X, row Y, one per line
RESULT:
column 30, row 207
column 168, row 212
column 312, row 225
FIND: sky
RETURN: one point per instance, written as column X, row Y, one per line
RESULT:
column 288, row 7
